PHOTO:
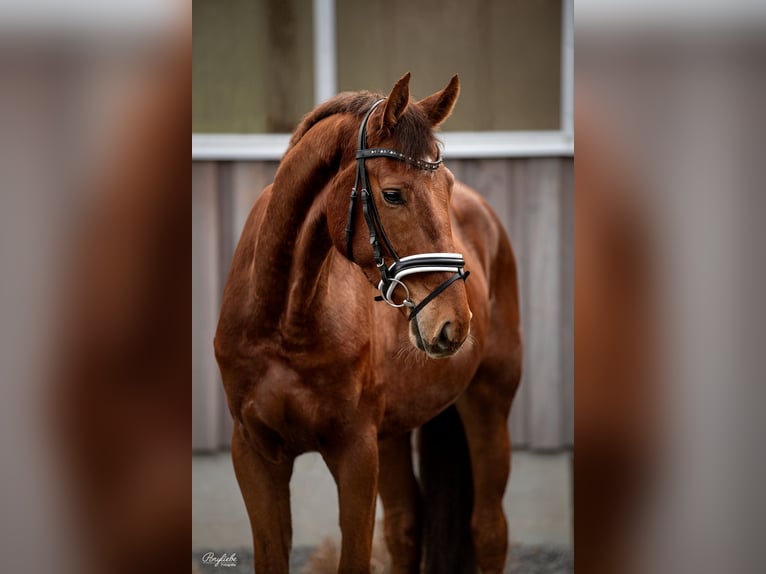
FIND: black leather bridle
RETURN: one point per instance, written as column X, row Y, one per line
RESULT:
column 392, row 277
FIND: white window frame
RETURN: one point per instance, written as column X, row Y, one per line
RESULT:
column 238, row 147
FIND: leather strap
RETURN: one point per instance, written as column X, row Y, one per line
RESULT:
column 438, row 291
column 385, row 152
column 360, row 181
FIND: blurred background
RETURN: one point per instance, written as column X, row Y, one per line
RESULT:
column 258, row 67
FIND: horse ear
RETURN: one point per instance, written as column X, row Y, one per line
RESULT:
column 396, row 102
column 439, row 106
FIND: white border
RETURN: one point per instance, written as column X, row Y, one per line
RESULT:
column 325, row 51
column 506, row 144
column 237, row 147
column 567, row 66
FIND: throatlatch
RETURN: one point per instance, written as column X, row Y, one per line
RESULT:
column 392, row 276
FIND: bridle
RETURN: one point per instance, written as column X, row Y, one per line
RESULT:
column 392, row 276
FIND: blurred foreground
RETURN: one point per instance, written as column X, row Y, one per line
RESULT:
column 668, row 283
column 95, row 298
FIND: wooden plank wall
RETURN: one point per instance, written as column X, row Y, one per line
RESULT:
column 532, row 196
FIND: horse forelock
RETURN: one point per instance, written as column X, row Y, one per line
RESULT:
column 413, row 134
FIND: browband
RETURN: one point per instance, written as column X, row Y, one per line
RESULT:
column 385, row 152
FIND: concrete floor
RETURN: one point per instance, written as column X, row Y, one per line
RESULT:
column 538, row 502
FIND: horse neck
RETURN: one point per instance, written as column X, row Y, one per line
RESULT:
column 309, row 273
column 293, row 240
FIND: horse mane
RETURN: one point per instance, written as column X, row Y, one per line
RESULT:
column 413, row 132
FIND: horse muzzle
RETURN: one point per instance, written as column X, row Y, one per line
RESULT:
column 447, row 339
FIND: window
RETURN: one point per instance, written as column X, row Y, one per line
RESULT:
column 254, row 60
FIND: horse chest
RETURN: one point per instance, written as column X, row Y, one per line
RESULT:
column 415, row 393
column 299, row 399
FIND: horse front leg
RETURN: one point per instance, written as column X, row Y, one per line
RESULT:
column 265, row 487
column 353, row 462
column 485, row 420
column 401, row 504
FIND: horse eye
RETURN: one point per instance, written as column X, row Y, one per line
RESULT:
column 393, row 197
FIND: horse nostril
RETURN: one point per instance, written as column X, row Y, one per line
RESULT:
column 444, row 338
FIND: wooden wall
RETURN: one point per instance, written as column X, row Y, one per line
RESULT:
column 533, row 197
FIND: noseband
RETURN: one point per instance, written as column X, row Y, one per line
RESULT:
column 392, row 276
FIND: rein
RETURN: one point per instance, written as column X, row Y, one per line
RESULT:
column 392, row 276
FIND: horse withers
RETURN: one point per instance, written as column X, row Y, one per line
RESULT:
column 362, row 208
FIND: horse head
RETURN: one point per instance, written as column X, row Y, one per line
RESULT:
column 398, row 227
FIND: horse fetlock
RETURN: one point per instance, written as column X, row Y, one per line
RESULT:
column 490, row 535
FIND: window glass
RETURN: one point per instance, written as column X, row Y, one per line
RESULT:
column 507, row 53
column 252, row 67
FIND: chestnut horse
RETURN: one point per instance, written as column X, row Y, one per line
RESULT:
column 311, row 362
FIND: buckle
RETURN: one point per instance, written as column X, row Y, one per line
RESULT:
column 386, row 287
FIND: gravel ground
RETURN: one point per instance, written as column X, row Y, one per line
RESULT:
column 542, row 559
